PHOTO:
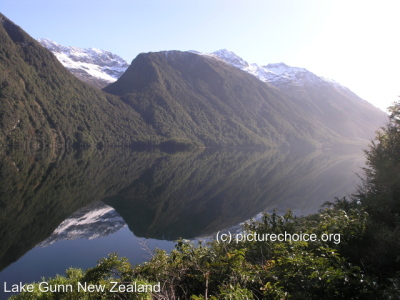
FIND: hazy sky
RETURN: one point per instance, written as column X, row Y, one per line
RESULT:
column 353, row 42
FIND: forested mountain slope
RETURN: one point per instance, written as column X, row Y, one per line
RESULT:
column 333, row 104
column 185, row 95
column 43, row 105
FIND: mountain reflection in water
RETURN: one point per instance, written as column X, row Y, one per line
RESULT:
column 46, row 197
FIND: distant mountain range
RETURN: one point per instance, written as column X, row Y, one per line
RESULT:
column 323, row 97
column 96, row 66
column 277, row 74
column 168, row 99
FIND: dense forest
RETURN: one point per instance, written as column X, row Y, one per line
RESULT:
column 363, row 263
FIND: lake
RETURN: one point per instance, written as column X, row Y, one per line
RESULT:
column 63, row 209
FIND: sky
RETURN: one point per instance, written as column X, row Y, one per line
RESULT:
column 354, row 42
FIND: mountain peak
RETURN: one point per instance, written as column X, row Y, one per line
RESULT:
column 88, row 63
column 231, row 58
column 225, row 52
column 277, row 74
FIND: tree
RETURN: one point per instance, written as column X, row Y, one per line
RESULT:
column 380, row 197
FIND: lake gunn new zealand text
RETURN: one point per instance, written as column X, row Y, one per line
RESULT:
column 114, row 287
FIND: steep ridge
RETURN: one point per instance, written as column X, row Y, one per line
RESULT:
column 331, row 103
column 43, row 105
column 194, row 97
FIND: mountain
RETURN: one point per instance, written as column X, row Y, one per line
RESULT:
column 334, row 105
column 43, row 105
column 199, row 98
column 96, row 67
column 277, row 74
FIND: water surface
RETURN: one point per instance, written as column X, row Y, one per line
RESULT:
column 59, row 211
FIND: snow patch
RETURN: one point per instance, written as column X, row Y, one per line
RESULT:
column 97, row 63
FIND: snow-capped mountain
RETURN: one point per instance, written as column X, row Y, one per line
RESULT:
column 100, row 68
column 94, row 221
column 277, row 74
column 94, row 66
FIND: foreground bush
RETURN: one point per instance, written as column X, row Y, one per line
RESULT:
column 242, row 270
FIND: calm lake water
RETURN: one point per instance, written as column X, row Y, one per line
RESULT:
column 70, row 210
